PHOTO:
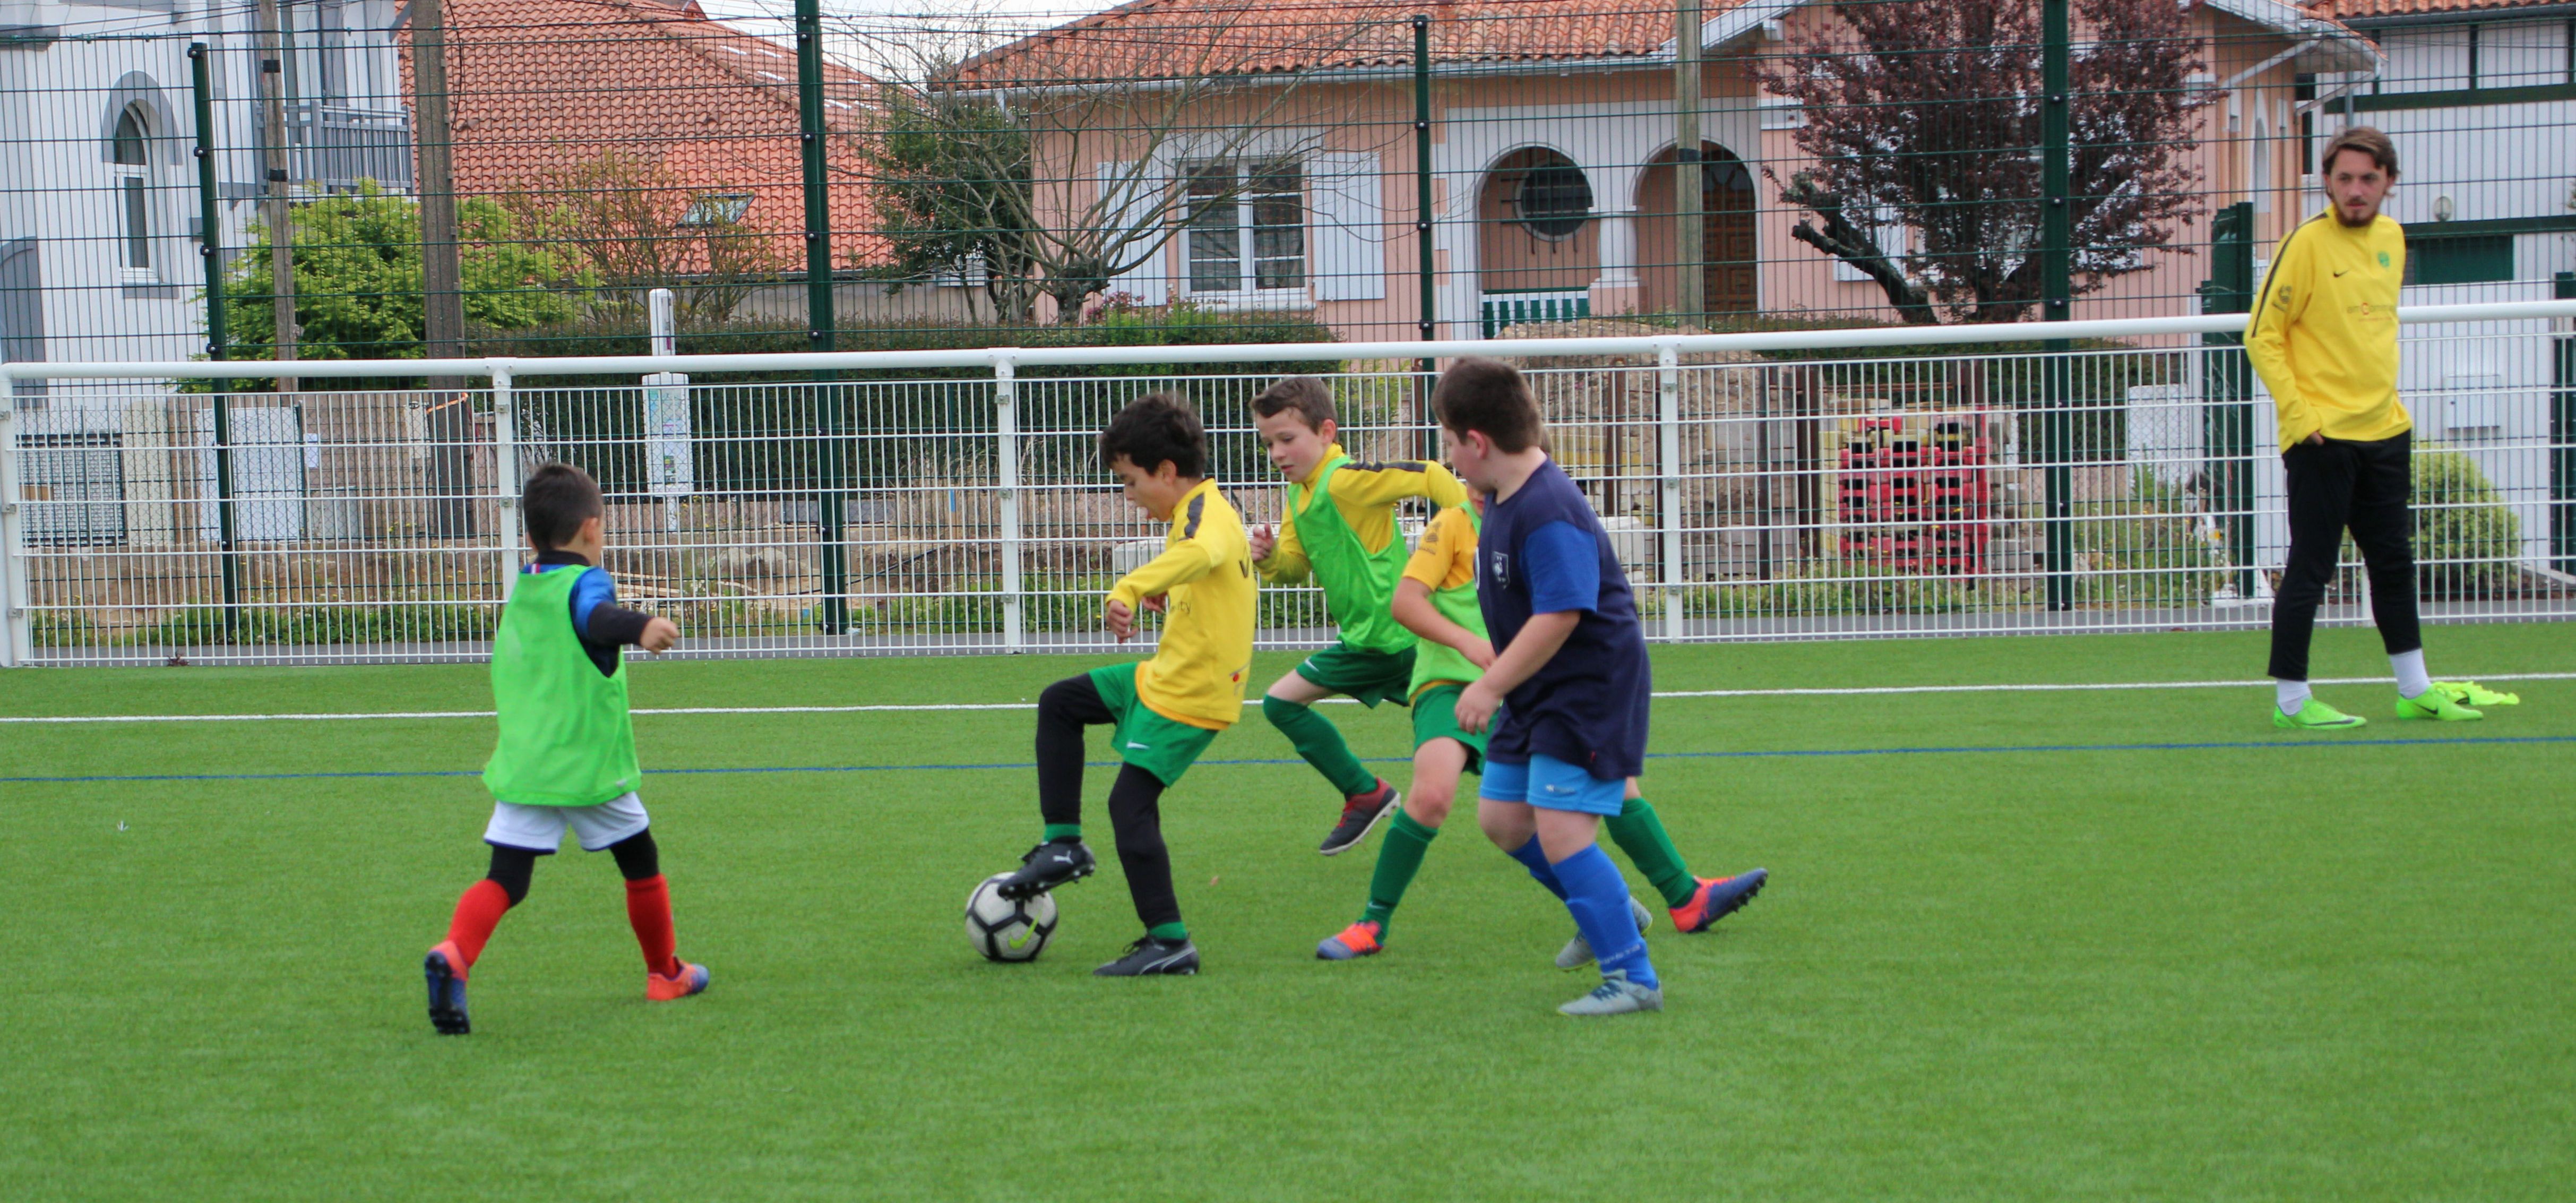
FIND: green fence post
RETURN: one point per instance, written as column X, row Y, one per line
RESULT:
column 2562, row 442
column 210, row 252
column 819, row 318
column 2057, row 290
column 2227, row 388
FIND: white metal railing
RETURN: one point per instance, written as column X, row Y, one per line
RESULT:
column 1757, row 486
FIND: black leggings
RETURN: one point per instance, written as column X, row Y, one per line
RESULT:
column 2332, row 486
column 637, row 858
column 1135, row 800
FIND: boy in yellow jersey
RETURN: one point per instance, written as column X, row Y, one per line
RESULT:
column 1164, row 712
column 1339, row 526
column 1436, row 600
column 566, row 753
column 2324, row 338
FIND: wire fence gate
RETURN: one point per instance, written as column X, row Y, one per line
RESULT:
column 1754, row 486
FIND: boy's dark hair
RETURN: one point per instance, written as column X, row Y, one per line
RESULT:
column 555, row 501
column 2368, row 141
column 1156, row 429
column 1310, row 397
column 1487, row 396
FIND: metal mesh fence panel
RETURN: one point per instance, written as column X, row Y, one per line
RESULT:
column 1770, row 492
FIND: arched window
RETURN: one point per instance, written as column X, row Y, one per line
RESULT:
column 133, row 187
column 1553, row 199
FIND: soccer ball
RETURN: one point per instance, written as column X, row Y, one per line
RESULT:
column 1004, row 930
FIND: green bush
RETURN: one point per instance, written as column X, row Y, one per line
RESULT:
column 63, row 628
column 433, row 622
column 2467, row 542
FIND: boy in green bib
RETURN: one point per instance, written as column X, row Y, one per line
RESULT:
column 1339, row 526
column 566, row 754
column 1436, row 600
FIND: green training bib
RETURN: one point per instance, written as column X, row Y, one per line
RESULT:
column 1359, row 584
column 566, row 739
column 1436, row 661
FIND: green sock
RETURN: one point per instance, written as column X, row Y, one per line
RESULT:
column 1063, row 831
column 1320, row 742
column 1169, row 931
column 1398, row 859
column 1641, row 835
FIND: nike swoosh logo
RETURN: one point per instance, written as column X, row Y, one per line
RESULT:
column 2339, row 275
column 1142, row 747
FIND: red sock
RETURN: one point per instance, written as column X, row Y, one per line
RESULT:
column 648, row 908
column 477, row 913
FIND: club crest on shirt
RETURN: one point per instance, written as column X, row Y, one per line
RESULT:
column 2383, row 259
column 1498, row 565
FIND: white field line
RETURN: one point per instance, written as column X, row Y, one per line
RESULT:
column 901, row 708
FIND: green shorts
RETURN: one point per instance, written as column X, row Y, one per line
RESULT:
column 1357, row 673
column 1145, row 739
column 1435, row 716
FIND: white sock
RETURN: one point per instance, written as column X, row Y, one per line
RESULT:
column 2290, row 695
column 2411, row 678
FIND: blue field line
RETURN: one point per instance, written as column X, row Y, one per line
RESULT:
column 1764, row 754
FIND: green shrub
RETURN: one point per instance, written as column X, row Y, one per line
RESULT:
column 1850, row 587
column 2468, row 543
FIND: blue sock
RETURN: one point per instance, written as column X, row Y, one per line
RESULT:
column 1598, row 896
column 1531, row 855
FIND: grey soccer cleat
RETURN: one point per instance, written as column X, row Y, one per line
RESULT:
column 1616, row 995
column 1577, row 952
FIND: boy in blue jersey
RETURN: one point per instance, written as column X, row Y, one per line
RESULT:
column 566, row 753
column 1563, row 704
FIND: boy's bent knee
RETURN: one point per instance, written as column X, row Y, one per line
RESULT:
column 512, row 870
column 638, row 857
column 1429, row 805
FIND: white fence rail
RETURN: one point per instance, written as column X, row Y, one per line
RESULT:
column 1756, row 486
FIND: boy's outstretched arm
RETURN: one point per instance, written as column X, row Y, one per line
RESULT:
column 1181, row 563
column 1413, row 609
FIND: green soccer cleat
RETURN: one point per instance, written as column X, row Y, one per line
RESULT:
column 2470, row 693
column 2435, row 704
column 2314, row 715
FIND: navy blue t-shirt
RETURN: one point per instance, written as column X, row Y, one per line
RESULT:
column 1543, row 552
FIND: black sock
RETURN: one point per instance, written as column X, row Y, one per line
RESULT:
column 1135, row 811
column 1064, row 710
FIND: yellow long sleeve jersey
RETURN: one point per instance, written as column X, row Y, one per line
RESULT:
column 1366, row 494
column 2324, row 331
column 1205, row 577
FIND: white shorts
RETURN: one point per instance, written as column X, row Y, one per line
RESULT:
column 540, row 828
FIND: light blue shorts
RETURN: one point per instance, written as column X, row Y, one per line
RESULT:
column 1554, row 785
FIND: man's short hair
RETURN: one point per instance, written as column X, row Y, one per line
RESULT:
column 554, row 503
column 2368, row 141
column 1156, row 429
column 1488, row 397
column 1310, row 398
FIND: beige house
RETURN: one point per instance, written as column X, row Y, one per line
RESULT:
column 1552, row 131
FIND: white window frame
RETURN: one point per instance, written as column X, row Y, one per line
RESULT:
column 1247, row 293
column 133, row 185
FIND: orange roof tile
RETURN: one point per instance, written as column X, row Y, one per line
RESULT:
column 2363, row 10
column 542, row 86
column 1201, row 38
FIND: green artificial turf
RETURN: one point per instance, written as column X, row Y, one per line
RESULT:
column 2180, row 956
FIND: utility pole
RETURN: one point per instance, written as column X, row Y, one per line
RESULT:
column 451, row 425
column 276, row 209
column 1690, row 229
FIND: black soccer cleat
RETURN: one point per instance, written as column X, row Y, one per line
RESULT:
column 1360, row 812
column 1151, row 956
column 1047, row 866
column 446, row 991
